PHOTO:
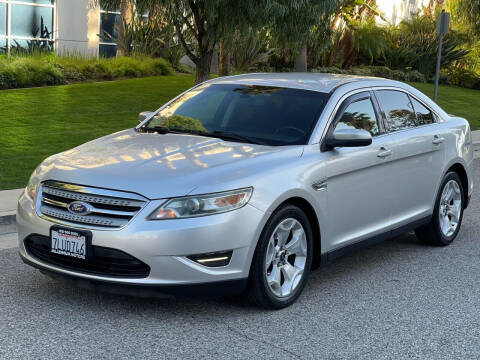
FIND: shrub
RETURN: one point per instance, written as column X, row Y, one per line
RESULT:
column 414, row 76
column 465, row 78
column 27, row 72
column 376, row 71
column 330, row 70
column 42, row 70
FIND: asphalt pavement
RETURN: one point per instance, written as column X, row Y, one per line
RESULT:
column 396, row 300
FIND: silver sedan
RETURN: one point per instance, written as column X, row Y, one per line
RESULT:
column 247, row 183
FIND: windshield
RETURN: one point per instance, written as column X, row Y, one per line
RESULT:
column 262, row 114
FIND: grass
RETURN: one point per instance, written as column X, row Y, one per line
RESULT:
column 36, row 123
column 456, row 100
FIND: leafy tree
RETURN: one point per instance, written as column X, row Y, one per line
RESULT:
column 414, row 44
column 292, row 22
column 201, row 24
column 355, row 32
column 468, row 11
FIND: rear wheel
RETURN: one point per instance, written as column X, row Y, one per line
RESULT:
column 282, row 259
column 447, row 214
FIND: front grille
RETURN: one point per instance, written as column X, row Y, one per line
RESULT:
column 108, row 208
column 99, row 261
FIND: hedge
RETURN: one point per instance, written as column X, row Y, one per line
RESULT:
column 377, row 71
column 21, row 72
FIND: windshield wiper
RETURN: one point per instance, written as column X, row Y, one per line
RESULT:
column 225, row 135
column 165, row 130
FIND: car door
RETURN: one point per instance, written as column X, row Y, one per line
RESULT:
column 416, row 149
column 358, row 178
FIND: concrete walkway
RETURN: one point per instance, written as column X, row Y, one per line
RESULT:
column 8, row 206
column 8, row 198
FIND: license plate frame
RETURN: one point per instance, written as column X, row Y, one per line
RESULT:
column 76, row 236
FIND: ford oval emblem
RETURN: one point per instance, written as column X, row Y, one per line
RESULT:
column 79, row 208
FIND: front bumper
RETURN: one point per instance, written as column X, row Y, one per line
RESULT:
column 210, row 289
column 163, row 245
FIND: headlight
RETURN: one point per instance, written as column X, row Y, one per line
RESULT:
column 32, row 187
column 201, row 205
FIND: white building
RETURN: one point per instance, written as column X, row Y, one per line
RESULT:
column 73, row 26
column 395, row 11
column 68, row 26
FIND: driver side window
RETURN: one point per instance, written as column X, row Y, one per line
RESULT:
column 359, row 115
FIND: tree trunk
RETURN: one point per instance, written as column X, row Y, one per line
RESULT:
column 202, row 70
column 125, row 18
column 333, row 52
column 223, row 61
column 301, row 60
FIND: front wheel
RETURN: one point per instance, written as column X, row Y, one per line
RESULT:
column 282, row 259
column 447, row 214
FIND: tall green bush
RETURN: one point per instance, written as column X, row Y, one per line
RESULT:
column 414, row 45
column 44, row 70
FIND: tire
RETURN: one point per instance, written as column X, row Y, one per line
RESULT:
column 434, row 233
column 291, row 253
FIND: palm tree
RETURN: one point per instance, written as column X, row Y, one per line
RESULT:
column 354, row 28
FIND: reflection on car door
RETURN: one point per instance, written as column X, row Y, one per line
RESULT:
column 358, row 185
column 417, row 155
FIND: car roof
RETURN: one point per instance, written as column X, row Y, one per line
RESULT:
column 308, row 81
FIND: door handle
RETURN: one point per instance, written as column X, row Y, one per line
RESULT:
column 384, row 153
column 437, row 140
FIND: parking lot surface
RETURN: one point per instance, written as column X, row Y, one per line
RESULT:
column 398, row 299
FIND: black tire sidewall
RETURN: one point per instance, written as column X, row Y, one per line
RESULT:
column 257, row 274
column 436, row 220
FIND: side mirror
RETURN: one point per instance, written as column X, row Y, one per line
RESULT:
column 349, row 138
column 144, row 115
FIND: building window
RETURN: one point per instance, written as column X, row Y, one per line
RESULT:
column 27, row 25
column 109, row 21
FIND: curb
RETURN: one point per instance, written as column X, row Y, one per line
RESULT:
column 6, row 220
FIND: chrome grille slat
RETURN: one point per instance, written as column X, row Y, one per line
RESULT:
column 54, row 202
column 92, row 198
column 111, row 212
column 94, row 220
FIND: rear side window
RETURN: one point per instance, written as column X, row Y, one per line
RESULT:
column 359, row 115
column 424, row 115
column 397, row 108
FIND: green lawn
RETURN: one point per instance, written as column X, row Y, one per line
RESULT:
column 457, row 101
column 35, row 123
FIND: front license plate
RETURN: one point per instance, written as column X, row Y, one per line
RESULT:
column 69, row 243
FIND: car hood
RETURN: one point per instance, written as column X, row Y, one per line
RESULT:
column 160, row 166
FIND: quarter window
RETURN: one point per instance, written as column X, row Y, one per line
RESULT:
column 424, row 115
column 397, row 108
column 359, row 115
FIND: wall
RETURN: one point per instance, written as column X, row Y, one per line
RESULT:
column 397, row 10
column 77, row 27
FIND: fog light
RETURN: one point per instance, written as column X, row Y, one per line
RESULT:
column 216, row 259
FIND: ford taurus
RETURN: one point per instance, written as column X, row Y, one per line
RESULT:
column 246, row 183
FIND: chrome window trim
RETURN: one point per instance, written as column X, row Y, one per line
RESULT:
column 369, row 88
column 376, row 88
column 332, row 116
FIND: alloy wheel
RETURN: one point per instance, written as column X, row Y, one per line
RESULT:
column 450, row 208
column 286, row 257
